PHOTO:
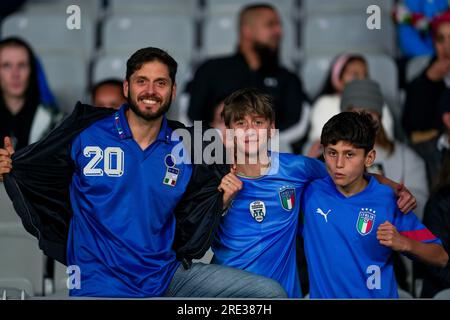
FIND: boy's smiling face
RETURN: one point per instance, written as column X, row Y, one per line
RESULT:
column 346, row 164
column 252, row 134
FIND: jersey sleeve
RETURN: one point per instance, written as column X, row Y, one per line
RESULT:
column 313, row 169
column 410, row 226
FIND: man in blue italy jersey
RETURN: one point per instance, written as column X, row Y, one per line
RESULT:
column 124, row 189
column 258, row 231
column 352, row 223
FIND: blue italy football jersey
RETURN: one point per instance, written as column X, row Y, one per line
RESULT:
column 123, row 198
column 345, row 259
column 258, row 232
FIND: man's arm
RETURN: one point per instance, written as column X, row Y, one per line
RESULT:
column 5, row 157
column 430, row 253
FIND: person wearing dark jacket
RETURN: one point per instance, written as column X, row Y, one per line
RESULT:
column 108, row 195
column 421, row 120
column 437, row 219
column 255, row 64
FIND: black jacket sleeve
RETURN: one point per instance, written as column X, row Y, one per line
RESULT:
column 199, row 212
column 437, row 219
column 420, row 111
column 39, row 183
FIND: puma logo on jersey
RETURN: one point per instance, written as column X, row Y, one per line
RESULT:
column 325, row 215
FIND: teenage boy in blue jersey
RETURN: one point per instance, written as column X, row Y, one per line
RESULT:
column 123, row 193
column 258, row 231
column 352, row 223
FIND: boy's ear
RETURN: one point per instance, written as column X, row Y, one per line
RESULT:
column 272, row 129
column 370, row 158
column 174, row 91
column 446, row 119
column 125, row 88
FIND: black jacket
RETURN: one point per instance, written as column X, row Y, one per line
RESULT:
column 423, row 96
column 39, row 188
column 437, row 219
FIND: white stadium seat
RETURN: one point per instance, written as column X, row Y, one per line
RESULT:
column 21, row 258
column 48, row 33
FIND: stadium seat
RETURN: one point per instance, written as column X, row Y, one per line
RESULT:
column 109, row 66
column 15, row 289
column 442, row 295
column 60, row 280
column 314, row 72
column 124, row 34
column 186, row 7
column 415, row 66
column 331, row 34
column 67, row 76
column 48, row 33
column 7, row 212
column 21, row 258
column 402, row 294
column 344, row 6
column 92, row 8
column 233, row 6
column 383, row 69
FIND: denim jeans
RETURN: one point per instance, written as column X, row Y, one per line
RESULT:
column 216, row 281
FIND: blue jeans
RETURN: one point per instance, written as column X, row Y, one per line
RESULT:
column 216, row 281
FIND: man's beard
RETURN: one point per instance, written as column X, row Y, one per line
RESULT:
column 268, row 57
column 146, row 116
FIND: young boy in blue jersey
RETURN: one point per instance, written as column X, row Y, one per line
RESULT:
column 124, row 189
column 258, row 231
column 352, row 223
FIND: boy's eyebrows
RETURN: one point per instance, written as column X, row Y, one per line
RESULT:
column 344, row 149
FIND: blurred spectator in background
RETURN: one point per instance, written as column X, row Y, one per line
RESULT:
column 345, row 68
column 413, row 25
column 437, row 220
column 421, row 116
column 394, row 159
column 23, row 116
column 108, row 93
column 255, row 64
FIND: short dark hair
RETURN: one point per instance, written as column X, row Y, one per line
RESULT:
column 247, row 101
column 357, row 128
column 107, row 82
column 150, row 54
column 253, row 7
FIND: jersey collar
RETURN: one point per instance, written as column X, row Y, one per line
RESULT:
column 124, row 131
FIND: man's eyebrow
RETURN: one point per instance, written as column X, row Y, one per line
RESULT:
column 163, row 79
column 141, row 77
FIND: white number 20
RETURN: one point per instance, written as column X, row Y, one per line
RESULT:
column 97, row 155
